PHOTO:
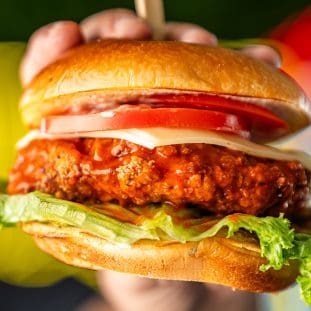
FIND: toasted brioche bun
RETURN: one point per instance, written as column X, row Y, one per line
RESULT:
column 121, row 70
column 233, row 262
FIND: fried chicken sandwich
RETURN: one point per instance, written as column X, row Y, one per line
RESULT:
column 153, row 158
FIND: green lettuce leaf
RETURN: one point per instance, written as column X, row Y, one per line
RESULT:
column 302, row 251
column 278, row 242
column 304, row 280
column 36, row 267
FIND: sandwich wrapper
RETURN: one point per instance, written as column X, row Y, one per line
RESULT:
column 21, row 262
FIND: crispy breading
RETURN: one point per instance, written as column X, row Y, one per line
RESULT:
column 219, row 180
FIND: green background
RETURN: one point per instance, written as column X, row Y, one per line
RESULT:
column 227, row 18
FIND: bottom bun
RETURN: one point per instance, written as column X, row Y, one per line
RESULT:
column 233, row 262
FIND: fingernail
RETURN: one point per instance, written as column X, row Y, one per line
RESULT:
column 264, row 53
column 131, row 28
column 52, row 29
column 199, row 36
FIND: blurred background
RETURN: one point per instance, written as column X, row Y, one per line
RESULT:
column 284, row 24
column 228, row 19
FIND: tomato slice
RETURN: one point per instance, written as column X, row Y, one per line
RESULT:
column 263, row 122
column 264, row 125
column 146, row 118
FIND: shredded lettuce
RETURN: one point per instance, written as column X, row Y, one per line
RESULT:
column 278, row 242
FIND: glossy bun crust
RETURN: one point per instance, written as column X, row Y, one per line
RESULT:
column 119, row 70
column 232, row 262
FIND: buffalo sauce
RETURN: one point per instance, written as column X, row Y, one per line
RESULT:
column 214, row 179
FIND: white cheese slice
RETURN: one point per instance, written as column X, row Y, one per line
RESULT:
column 154, row 137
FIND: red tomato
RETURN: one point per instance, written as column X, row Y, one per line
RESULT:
column 146, row 118
column 263, row 122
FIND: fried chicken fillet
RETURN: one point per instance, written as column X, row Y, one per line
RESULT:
column 213, row 178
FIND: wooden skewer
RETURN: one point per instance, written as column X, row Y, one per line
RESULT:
column 153, row 12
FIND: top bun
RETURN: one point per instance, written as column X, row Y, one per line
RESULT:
column 117, row 70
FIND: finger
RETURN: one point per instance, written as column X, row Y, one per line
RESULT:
column 190, row 33
column 264, row 53
column 115, row 23
column 123, row 290
column 46, row 45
